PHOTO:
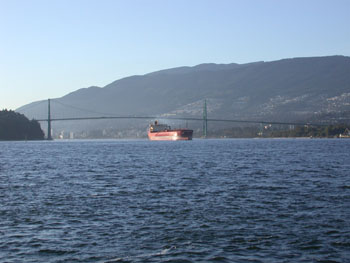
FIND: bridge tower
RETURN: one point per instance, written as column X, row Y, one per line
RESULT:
column 205, row 120
column 49, row 137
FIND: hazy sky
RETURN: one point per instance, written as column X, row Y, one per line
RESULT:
column 51, row 48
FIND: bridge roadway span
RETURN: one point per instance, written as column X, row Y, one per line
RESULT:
column 183, row 119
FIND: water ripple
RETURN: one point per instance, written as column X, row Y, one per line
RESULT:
column 198, row 201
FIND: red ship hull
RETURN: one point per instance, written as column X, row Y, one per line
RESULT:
column 171, row 135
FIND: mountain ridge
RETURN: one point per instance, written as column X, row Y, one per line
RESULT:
column 292, row 89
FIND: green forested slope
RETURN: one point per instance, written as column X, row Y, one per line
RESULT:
column 15, row 126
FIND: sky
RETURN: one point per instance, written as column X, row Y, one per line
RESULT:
column 51, row 48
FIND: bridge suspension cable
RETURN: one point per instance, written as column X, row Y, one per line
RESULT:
column 184, row 119
column 205, row 120
column 32, row 105
column 82, row 109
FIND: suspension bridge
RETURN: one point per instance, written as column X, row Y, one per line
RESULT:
column 204, row 119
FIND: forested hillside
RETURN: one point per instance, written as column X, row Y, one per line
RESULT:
column 15, row 126
column 314, row 89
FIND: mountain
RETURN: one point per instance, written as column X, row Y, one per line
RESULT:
column 296, row 89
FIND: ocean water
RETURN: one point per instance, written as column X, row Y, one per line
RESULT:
column 262, row 200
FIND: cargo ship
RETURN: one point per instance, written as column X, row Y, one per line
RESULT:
column 163, row 132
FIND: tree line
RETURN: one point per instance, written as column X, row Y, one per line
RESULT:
column 16, row 126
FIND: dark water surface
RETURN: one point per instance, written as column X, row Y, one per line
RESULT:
column 198, row 201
